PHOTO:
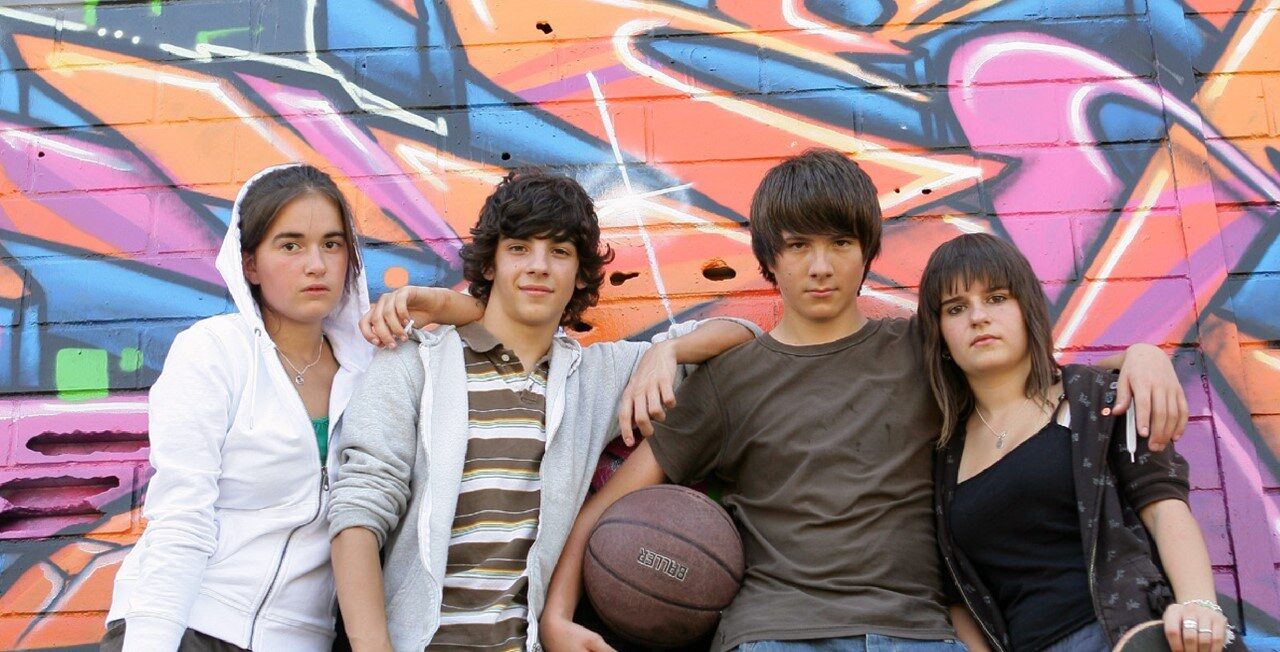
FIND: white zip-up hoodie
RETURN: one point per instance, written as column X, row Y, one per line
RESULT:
column 237, row 544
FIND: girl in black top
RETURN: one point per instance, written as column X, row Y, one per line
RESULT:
column 1045, row 522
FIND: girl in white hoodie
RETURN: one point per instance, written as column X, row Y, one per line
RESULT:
column 236, row 551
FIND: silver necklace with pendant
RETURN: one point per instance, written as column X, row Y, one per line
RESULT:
column 300, row 374
column 1003, row 433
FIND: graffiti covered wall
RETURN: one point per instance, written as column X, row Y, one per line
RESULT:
column 1129, row 147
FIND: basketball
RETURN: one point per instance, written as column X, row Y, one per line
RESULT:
column 660, row 565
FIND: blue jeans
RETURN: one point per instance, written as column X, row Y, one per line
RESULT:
column 1089, row 638
column 868, row 643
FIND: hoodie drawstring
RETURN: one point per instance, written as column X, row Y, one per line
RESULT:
column 252, row 389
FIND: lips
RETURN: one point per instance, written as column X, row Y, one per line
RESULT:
column 983, row 339
column 538, row 290
column 821, row 292
column 315, row 289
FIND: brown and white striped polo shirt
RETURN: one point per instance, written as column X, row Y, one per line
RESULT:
column 485, row 602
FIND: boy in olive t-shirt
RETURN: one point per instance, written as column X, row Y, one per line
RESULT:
column 821, row 432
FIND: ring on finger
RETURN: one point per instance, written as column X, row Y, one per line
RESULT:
column 1190, row 624
column 1205, row 630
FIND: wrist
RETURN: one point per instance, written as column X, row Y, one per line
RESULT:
column 666, row 349
column 1211, row 605
column 555, row 614
column 431, row 299
column 1143, row 347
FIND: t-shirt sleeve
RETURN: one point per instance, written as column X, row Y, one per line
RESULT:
column 687, row 444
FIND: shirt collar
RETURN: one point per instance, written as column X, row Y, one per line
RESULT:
column 478, row 338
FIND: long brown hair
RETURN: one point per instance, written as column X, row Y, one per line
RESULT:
column 269, row 195
column 981, row 258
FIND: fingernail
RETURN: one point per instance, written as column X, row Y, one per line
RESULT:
column 1144, row 431
column 1106, row 411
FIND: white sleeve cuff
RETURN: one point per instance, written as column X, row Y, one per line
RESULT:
column 150, row 633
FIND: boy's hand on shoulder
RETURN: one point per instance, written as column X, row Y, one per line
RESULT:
column 1149, row 385
column 563, row 635
column 649, row 392
column 388, row 321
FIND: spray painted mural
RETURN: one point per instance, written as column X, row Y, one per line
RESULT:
column 1129, row 147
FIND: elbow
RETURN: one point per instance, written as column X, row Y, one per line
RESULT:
column 195, row 532
column 1163, row 510
column 352, row 537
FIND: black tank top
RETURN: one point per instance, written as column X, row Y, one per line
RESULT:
column 1018, row 523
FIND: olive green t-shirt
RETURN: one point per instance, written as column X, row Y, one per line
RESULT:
column 825, row 456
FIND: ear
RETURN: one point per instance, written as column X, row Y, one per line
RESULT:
column 250, row 268
column 488, row 273
column 581, row 284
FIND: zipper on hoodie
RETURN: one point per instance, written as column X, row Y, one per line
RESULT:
column 965, row 596
column 275, row 575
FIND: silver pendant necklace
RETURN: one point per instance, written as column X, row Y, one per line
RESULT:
column 1003, row 433
column 300, row 374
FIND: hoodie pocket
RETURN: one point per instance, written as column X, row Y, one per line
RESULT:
column 246, row 554
column 234, row 533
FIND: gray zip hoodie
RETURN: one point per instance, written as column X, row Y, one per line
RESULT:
column 403, row 447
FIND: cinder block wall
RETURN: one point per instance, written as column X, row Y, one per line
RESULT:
column 1129, row 147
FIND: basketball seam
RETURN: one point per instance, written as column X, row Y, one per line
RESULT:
column 632, row 637
column 623, row 580
column 710, row 555
column 681, row 489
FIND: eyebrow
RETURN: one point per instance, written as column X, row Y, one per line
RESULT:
column 294, row 235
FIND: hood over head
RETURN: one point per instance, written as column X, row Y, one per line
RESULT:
column 341, row 325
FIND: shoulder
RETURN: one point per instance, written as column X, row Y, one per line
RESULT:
column 897, row 328
column 896, row 337
column 406, row 359
column 736, row 361
column 1079, row 378
column 219, row 339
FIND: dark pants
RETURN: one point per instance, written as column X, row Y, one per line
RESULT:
column 192, row 641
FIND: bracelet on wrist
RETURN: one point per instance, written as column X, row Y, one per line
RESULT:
column 1207, row 604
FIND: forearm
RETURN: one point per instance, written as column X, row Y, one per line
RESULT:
column 639, row 471
column 358, row 575
column 967, row 629
column 1116, row 360
column 453, row 308
column 1182, row 549
column 709, row 339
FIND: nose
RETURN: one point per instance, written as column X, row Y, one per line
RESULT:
column 820, row 264
column 538, row 260
column 978, row 313
column 315, row 262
